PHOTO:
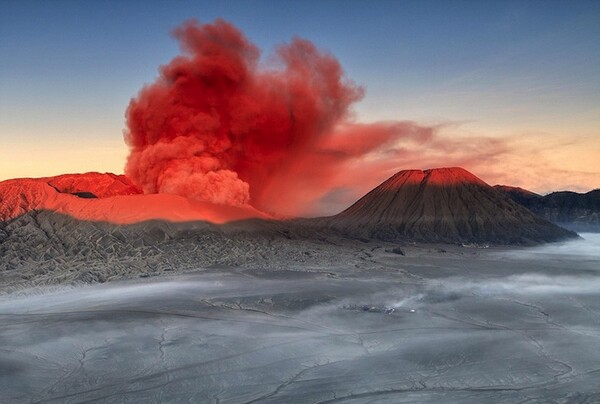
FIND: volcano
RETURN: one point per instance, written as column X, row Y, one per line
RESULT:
column 448, row 205
column 108, row 198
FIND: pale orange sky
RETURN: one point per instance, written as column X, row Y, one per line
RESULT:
column 536, row 160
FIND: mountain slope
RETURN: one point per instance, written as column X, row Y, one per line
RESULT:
column 519, row 195
column 447, row 205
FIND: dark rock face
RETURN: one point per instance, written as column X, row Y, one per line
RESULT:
column 448, row 205
column 579, row 212
column 85, row 195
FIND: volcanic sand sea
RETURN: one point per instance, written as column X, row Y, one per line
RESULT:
column 439, row 324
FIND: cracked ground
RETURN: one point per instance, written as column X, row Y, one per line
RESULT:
column 502, row 326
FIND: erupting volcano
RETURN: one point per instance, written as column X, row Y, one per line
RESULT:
column 225, row 231
column 107, row 198
column 223, row 135
column 221, row 125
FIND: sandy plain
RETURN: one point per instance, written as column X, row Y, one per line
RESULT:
column 355, row 323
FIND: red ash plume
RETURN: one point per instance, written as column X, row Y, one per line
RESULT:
column 218, row 126
column 215, row 126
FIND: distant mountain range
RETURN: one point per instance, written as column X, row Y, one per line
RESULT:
column 572, row 210
column 445, row 205
column 96, row 227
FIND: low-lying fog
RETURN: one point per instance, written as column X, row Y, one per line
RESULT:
column 497, row 326
column 587, row 247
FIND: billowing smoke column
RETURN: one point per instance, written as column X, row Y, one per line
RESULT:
column 218, row 126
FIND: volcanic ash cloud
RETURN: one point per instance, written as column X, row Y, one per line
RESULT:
column 220, row 126
column 215, row 125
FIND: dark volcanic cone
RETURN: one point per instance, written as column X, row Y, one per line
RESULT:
column 448, row 205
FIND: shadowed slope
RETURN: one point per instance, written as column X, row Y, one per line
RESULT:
column 517, row 194
column 443, row 205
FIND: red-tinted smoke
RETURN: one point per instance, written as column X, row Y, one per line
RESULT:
column 221, row 127
column 216, row 126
